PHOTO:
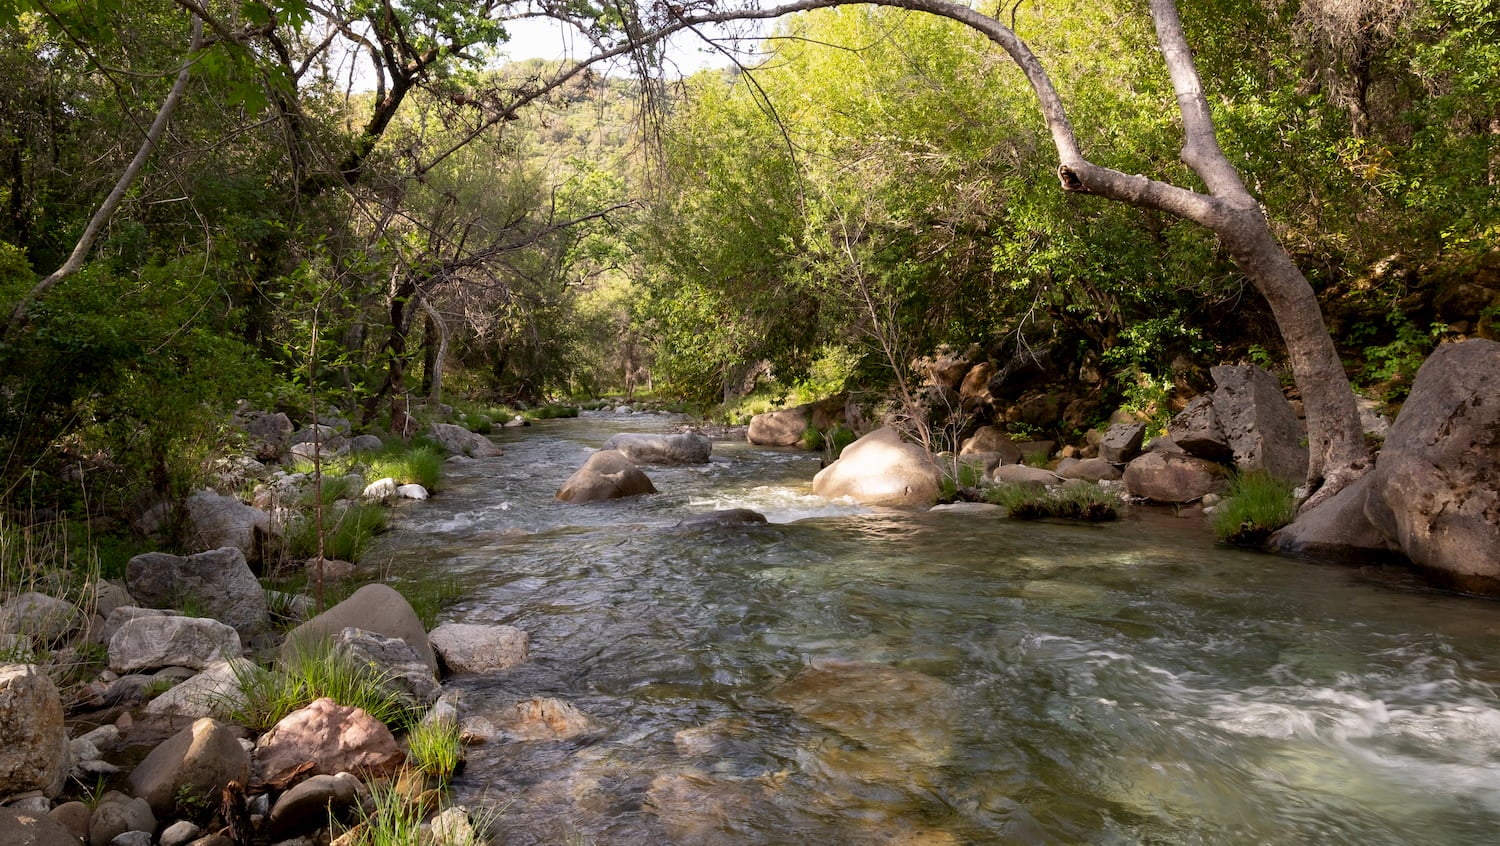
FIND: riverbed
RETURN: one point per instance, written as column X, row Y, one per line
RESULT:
column 853, row 675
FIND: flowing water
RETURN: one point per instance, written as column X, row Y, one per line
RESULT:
column 849, row 675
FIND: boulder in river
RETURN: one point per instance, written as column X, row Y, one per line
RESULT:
column 649, row 448
column 376, row 608
column 788, row 426
column 722, row 519
column 881, row 469
column 1171, row 477
column 900, row 714
column 476, row 648
column 607, row 474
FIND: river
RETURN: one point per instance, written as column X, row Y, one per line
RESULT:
column 860, row 676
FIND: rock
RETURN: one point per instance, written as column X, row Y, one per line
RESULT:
column 543, row 719
column 881, row 469
column 1164, row 443
column 124, row 614
column 452, row 827
column 1021, row 474
column 1370, row 418
column 1036, row 452
column 413, row 492
column 375, row 608
column 306, row 806
column 1336, row 529
column 1258, row 422
column 1122, row 442
column 380, row 490
column 333, row 569
column 216, row 521
column 474, row 648
column 399, row 667
column 192, row 766
column 116, row 814
column 361, row 444
column 34, row 754
column 214, row 692
column 44, row 619
column 1196, row 431
column 74, row 816
column 974, row 392
column 786, row 427
column 641, row 448
column 328, row 438
column 319, row 452
column 606, row 475
column 1436, row 491
column 335, row 738
column 269, row 434
column 132, row 838
column 722, row 519
column 456, row 440
column 218, row 582
column 1168, row 477
column 992, row 439
column 180, row 833
column 20, row 828
column 150, row 642
column 905, row 715
column 108, row 596
column 1088, row 469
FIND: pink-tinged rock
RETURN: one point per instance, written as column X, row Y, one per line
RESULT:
column 335, row 738
column 1169, row 477
column 34, row 750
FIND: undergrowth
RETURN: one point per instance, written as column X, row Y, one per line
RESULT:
column 1086, row 501
column 1257, row 505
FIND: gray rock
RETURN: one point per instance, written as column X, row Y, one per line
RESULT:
column 214, row 692
column 20, row 828
column 1196, row 431
column 1258, row 422
column 219, row 582
column 722, row 518
column 992, row 440
column 180, row 833
column 376, row 608
column 1122, row 442
column 117, row 814
column 124, row 614
column 194, row 764
column 43, row 618
column 1436, row 491
column 74, row 816
column 151, row 642
column 606, row 475
column 1088, row 469
column 269, row 434
column 361, row 444
column 318, row 452
column 132, row 838
column 34, row 754
column 1021, row 474
column 216, row 521
column 400, row 668
column 1336, row 529
column 474, row 648
column 641, row 448
column 881, row 469
column 38, row 805
column 306, row 806
column 452, row 827
column 1171, row 478
column 456, row 440
column 110, row 595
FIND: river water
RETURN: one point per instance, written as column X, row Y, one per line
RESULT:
column 849, row 675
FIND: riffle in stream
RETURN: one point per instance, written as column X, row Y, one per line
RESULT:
column 846, row 675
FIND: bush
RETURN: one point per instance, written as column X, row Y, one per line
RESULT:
column 1074, row 501
column 1258, row 504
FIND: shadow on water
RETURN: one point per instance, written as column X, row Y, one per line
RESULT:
column 846, row 675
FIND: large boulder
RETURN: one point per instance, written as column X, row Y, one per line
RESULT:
column 1436, row 491
column 34, row 754
column 192, row 766
column 1258, row 422
column 1122, row 442
column 787, row 426
column 215, row 521
column 23, row 828
column 1172, row 478
column 881, row 469
column 375, row 608
column 334, row 738
column 150, row 642
column 268, row 434
column 456, row 440
column 1196, row 430
column 400, row 669
column 644, row 448
column 607, row 474
column 476, row 648
column 992, row 440
column 219, row 582
column 1336, row 529
column 41, row 618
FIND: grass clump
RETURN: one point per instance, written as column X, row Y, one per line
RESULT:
column 1257, row 505
column 436, row 748
column 419, row 464
column 1089, row 501
column 347, row 532
column 315, row 670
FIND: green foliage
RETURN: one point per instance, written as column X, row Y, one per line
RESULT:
column 435, row 748
column 1257, row 505
column 314, row 671
column 347, row 532
column 416, row 464
column 1072, row 501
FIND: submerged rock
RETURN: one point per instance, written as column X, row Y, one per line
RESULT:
column 722, row 518
column 543, row 719
column 899, row 714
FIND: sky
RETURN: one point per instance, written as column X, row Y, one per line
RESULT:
column 547, row 39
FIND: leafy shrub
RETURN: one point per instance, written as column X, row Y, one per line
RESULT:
column 1258, row 504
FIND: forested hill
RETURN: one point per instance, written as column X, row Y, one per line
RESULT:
column 198, row 212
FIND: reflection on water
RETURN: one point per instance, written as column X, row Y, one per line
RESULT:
column 844, row 675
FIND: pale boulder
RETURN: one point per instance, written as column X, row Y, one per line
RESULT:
column 475, row 648
column 216, row 521
column 34, row 754
column 881, row 469
column 606, row 475
column 195, row 763
column 1171, row 478
column 150, row 642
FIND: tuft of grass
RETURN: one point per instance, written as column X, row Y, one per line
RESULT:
column 1257, row 505
column 347, row 532
column 430, row 596
column 419, row 464
column 314, row 671
column 552, row 412
column 1089, row 502
column 435, row 748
